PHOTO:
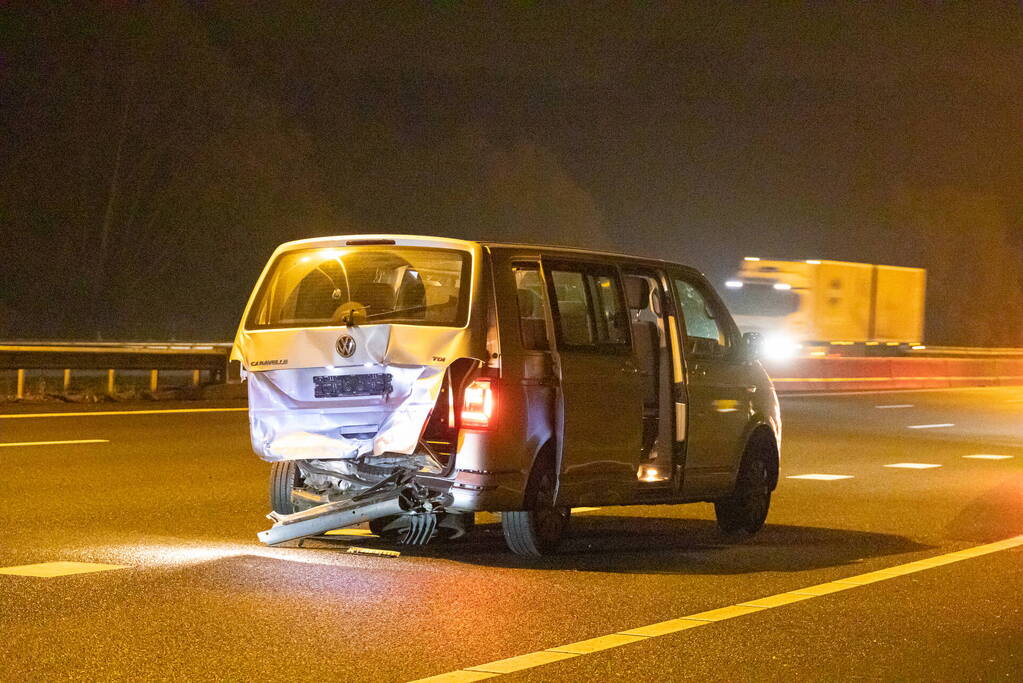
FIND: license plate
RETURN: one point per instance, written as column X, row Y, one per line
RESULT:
column 336, row 386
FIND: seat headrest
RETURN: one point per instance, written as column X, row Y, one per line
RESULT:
column 637, row 292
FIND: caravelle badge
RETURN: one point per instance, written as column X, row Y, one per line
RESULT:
column 345, row 345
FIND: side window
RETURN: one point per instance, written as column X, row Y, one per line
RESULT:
column 705, row 336
column 590, row 310
column 532, row 322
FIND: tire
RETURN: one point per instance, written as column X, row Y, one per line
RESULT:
column 537, row 530
column 284, row 476
column 378, row 527
column 744, row 512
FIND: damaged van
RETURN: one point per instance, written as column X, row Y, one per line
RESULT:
column 410, row 382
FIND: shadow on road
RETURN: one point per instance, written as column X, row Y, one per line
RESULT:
column 652, row 545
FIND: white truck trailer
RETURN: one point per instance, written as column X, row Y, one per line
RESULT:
column 797, row 305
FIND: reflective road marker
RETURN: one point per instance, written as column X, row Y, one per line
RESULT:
column 48, row 570
column 913, row 465
column 585, row 647
column 820, row 477
column 17, row 416
column 934, row 426
column 10, row 444
column 985, row 456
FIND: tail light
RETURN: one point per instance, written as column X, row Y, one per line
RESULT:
column 478, row 404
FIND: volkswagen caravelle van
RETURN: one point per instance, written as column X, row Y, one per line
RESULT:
column 410, row 381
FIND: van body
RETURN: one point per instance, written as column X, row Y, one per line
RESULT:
column 411, row 381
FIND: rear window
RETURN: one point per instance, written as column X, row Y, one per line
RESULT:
column 364, row 286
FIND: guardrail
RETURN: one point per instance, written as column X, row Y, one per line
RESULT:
column 858, row 374
column 113, row 357
column 928, row 367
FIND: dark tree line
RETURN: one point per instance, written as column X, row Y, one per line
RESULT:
column 152, row 155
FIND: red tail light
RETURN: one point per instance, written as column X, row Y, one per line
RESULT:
column 479, row 404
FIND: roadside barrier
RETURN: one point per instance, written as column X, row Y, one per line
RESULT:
column 207, row 363
column 859, row 374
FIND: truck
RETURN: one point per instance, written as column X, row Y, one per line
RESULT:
column 797, row 305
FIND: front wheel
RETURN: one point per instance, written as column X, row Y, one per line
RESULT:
column 537, row 530
column 745, row 511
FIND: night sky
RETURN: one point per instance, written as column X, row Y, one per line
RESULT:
column 151, row 156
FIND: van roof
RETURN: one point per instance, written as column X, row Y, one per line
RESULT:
column 425, row 240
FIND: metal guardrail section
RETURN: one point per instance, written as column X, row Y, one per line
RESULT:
column 120, row 356
column 112, row 357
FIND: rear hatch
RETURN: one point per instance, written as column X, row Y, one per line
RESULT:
column 346, row 343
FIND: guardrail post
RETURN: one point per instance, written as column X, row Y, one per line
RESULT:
column 67, row 379
column 110, row 381
column 21, row 383
column 154, row 378
column 195, row 378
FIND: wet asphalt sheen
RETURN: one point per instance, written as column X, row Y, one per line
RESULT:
column 177, row 500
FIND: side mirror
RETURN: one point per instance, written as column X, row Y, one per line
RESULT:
column 752, row 345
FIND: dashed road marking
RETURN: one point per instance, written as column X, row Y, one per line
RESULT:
column 914, row 465
column 987, row 456
column 10, row 444
column 48, row 570
column 636, row 635
column 820, row 477
column 93, row 413
column 940, row 425
column 892, row 406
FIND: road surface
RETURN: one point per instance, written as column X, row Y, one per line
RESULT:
column 175, row 500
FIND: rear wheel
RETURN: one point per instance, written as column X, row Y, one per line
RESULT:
column 284, row 476
column 537, row 530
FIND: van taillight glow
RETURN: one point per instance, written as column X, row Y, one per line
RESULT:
column 478, row 404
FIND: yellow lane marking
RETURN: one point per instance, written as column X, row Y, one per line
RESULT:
column 90, row 413
column 350, row 532
column 635, row 635
column 820, row 477
column 584, row 509
column 51, row 443
column 665, row 627
column 48, row 570
column 513, row 664
column 585, row 647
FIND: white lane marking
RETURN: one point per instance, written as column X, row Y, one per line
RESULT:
column 987, row 456
column 121, row 412
column 940, row 425
column 820, row 477
column 891, row 406
column 914, row 465
column 51, row 443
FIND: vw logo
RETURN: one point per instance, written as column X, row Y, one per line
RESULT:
column 345, row 345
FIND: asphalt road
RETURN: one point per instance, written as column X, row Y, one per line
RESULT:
column 177, row 499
